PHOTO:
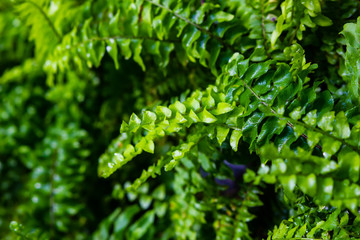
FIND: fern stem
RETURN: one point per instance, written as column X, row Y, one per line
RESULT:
column 290, row 122
column 132, row 38
column 343, row 141
column 57, row 34
column 195, row 25
column 119, row 37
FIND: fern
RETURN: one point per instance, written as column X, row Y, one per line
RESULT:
column 43, row 31
column 203, row 89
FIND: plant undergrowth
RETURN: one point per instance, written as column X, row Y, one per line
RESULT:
column 165, row 119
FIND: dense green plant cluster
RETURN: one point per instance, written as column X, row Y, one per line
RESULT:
column 238, row 119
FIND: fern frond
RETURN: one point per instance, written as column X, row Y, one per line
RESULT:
column 43, row 31
column 327, row 224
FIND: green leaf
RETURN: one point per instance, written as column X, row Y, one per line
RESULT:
column 324, row 191
column 289, row 182
column 111, row 48
column 232, row 66
column 143, row 189
column 342, row 129
column 124, row 45
column 310, row 118
column 137, row 48
column 190, row 36
column 124, row 127
column 326, row 121
column 313, row 138
column 163, row 111
column 307, row 184
column 148, row 118
column 322, row 21
column 242, row 66
column 118, row 159
column 129, row 151
column 114, row 24
column 288, row 93
column 280, row 233
column 278, row 166
column 160, row 209
column 286, row 138
column 215, row 48
column 148, row 121
column 282, row 76
column 146, row 145
column 234, row 139
column 209, row 101
column 344, row 220
column 221, row 134
column 179, row 118
column 301, row 232
column 352, row 205
column 178, row 106
column 97, row 51
column 195, row 105
column 312, row 5
column 306, row 20
column 207, row 117
column 325, row 102
column 349, row 165
column 329, row 146
column 315, row 229
column 256, row 70
column 141, row 226
column 251, row 125
column 272, row 126
column 249, row 176
column 177, row 154
column 145, row 201
column 263, row 85
column 296, row 113
column 193, row 116
column 332, row 221
column 278, row 30
column 125, row 218
column 200, row 13
column 159, row 193
column 222, row 108
column 292, row 232
column 206, row 163
column 221, row 16
column 134, row 123
column 351, row 33
column 146, row 18
column 170, row 165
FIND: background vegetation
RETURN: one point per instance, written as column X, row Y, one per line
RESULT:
column 238, row 119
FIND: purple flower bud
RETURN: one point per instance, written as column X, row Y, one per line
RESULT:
column 273, row 19
column 238, row 169
column 232, row 186
column 225, row 182
column 203, row 173
column 232, row 189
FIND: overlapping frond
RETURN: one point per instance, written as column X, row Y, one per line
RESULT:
column 258, row 94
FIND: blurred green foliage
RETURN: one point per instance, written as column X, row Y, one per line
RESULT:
column 270, row 86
